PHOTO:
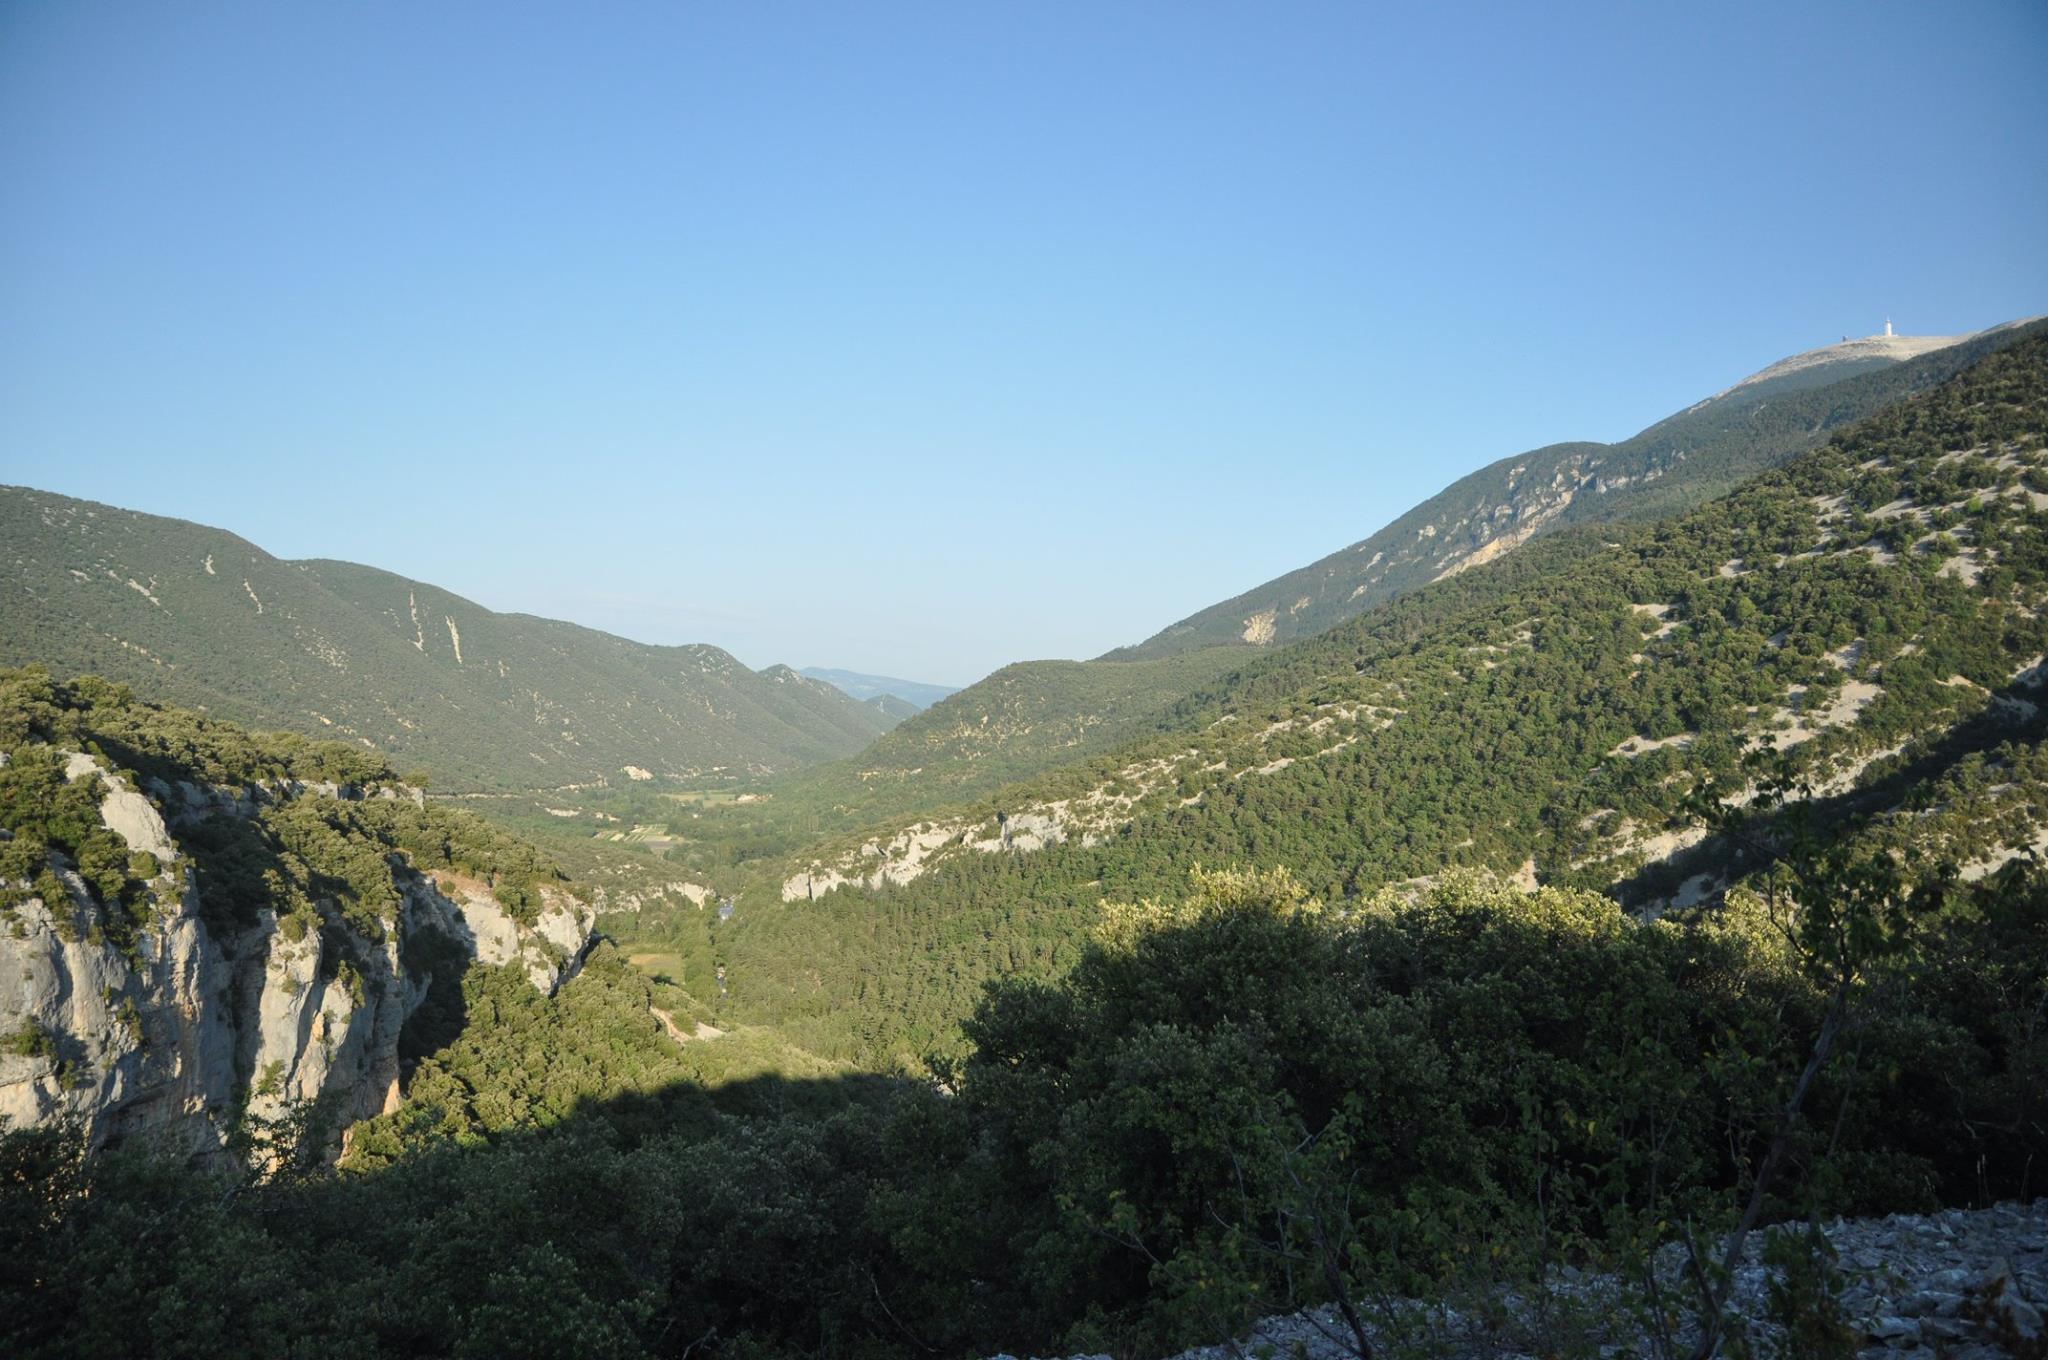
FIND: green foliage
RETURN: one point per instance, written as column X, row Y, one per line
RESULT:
column 331, row 649
column 1134, row 1126
column 1488, row 721
column 1453, row 1065
column 52, row 821
column 1024, row 719
column 1453, row 1087
column 30, row 1041
column 1804, row 1299
column 1237, row 1100
column 309, row 859
column 167, row 743
column 522, row 1061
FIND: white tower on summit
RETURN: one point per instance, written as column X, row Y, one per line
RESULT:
column 1887, row 328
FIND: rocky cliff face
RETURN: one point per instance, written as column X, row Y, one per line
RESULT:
column 186, row 1024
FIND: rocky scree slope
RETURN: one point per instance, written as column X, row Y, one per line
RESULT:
column 199, row 617
column 205, row 925
column 1685, row 459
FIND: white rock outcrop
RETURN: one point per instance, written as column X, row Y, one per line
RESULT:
column 173, row 1034
column 549, row 951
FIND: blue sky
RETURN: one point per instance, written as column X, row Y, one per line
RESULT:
column 921, row 338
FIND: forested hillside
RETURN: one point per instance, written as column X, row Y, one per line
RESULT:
column 1601, row 913
column 1026, row 718
column 1690, row 457
column 1447, row 1084
column 1033, row 717
column 1872, row 613
column 1053, row 1088
column 198, row 617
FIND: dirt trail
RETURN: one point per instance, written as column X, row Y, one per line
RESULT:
column 676, row 1032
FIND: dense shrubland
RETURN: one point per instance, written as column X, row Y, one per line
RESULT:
column 299, row 857
column 1432, row 1092
column 1137, row 1126
column 45, row 812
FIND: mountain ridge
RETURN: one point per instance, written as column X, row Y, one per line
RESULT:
column 1035, row 716
column 919, row 694
column 194, row 615
column 1870, row 614
column 1682, row 460
column 1861, row 353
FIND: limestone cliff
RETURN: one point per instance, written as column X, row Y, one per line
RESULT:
column 178, row 1026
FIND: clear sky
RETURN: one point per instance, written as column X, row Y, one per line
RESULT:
column 918, row 339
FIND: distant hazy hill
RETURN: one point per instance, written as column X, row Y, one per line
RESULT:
column 1684, row 460
column 916, row 693
column 197, row 616
column 894, row 709
column 1028, row 717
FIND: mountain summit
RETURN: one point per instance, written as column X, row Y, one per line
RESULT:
column 1832, row 363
